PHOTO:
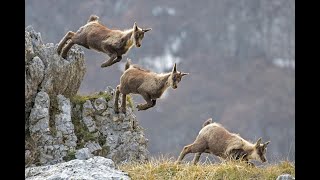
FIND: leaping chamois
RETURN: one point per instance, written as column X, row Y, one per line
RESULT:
column 149, row 85
column 94, row 35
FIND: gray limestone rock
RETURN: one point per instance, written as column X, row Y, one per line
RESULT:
column 285, row 177
column 100, row 105
column 83, row 154
column 96, row 168
column 46, row 71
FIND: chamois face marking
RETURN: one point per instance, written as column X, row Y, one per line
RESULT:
column 138, row 34
column 260, row 151
column 175, row 77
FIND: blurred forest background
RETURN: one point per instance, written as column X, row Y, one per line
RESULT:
column 240, row 55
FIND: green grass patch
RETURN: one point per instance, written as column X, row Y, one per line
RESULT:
column 80, row 99
column 130, row 101
column 70, row 155
column 82, row 132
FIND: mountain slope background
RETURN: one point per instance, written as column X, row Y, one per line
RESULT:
column 240, row 56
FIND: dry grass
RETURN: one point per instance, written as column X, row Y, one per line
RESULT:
column 165, row 168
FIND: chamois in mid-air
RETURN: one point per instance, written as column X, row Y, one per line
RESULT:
column 149, row 85
column 213, row 138
column 94, row 35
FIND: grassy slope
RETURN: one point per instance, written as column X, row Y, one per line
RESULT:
column 165, row 168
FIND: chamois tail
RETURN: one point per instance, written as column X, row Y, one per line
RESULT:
column 128, row 64
column 208, row 121
column 93, row 18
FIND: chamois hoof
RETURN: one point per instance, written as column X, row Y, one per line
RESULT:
column 139, row 107
column 105, row 64
column 251, row 164
column 123, row 111
column 116, row 111
column 64, row 57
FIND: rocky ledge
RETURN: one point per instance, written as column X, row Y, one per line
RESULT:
column 61, row 125
column 92, row 169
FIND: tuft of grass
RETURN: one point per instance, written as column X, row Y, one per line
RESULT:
column 130, row 101
column 82, row 132
column 79, row 99
column 53, row 111
column 70, row 155
column 165, row 168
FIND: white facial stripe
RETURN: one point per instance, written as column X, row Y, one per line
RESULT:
column 255, row 155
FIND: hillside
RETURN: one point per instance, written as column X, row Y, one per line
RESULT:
column 165, row 168
column 240, row 56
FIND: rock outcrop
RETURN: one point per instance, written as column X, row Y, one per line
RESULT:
column 91, row 169
column 285, row 177
column 46, row 71
column 60, row 125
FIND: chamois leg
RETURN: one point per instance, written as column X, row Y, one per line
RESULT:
column 116, row 60
column 124, row 103
column 63, row 41
column 196, row 147
column 116, row 107
column 66, row 49
column 186, row 150
column 150, row 103
column 196, row 158
column 109, row 61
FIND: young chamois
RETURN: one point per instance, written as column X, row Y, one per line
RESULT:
column 148, row 84
column 94, row 35
column 215, row 139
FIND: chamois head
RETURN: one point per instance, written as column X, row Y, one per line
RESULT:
column 175, row 77
column 259, row 151
column 138, row 34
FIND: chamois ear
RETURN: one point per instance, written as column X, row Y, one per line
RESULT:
column 208, row 121
column 174, row 68
column 266, row 144
column 183, row 74
column 258, row 142
column 135, row 27
column 146, row 30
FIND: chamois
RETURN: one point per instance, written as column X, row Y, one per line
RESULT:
column 94, row 35
column 149, row 85
column 215, row 139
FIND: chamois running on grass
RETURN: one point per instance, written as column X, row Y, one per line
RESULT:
column 213, row 138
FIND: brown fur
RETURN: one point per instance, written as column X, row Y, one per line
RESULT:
column 148, row 84
column 215, row 139
column 94, row 35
